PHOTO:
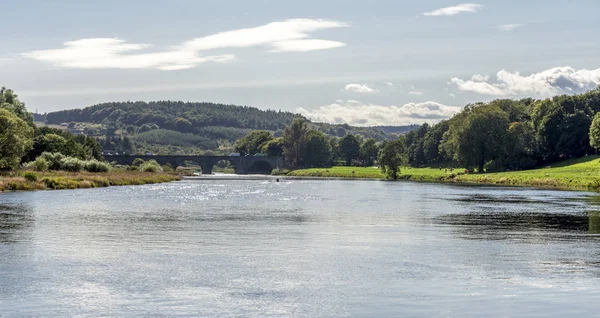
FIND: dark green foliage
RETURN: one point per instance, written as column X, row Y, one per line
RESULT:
column 9, row 101
column 510, row 134
column 30, row 176
column 595, row 132
column 55, row 140
column 15, row 139
column 349, row 148
column 253, row 142
column 317, row 150
column 174, row 138
column 294, row 141
column 273, row 147
column 368, row 152
column 392, row 155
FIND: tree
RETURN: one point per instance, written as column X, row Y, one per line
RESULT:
column 349, row 148
column 10, row 102
column 595, row 132
column 16, row 138
column 369, row 151
column 252, row 143
column 482, row 137
column 432, row 143
column 392, row 156
column 294, row 139
column 317, row 150
column 273, row 147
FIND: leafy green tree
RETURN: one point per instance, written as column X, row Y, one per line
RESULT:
column 521, row 145
column 482, row 137
column 294, row 140
column 349, row 148
column 273, row 147
column 252, row 143
column 415, row 144
column 317, row 150
column 16, row 138
column 334, row 142
column 595, row 132
column 393, row 154
column 369, row 150
column 9, row 101
column 432, row 150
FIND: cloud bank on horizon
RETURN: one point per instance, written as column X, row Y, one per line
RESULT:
column 100, row 53
column 557, row 80
column 356, row 113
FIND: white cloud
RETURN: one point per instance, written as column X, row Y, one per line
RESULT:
column 417, row 93
column 361, row 114
column 550, row 82
column 452, row 95
column 480, row 78
column 390, row 84
column 454, row 10
column 283, row 36
column 359, row 88
column 509, row 27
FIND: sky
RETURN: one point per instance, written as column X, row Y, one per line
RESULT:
column 379, row 62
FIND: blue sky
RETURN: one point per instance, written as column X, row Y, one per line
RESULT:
column 362, row 63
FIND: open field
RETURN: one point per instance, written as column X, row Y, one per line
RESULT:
column 18, row 181
column 582, row 173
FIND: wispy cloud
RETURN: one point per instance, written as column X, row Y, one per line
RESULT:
column 509, row 27
column 362, row 114
column 359, row 88
column 416, row 93
column 283, row 36
column 550, row 82
column 454, row 10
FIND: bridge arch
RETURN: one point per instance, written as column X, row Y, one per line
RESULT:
column 260, row 167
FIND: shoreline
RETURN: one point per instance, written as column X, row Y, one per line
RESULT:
column 562, row 177
column 60, row 180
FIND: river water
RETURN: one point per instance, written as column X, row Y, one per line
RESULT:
column 300, row 248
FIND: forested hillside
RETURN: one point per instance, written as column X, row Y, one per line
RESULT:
column 184, row 127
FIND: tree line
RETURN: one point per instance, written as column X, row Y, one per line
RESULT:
column 303, row 145
column 510, row 134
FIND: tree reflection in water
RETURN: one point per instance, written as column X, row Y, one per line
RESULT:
column 15, row 222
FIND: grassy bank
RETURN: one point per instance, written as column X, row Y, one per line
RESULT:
column 27, row 180
column 582, row 173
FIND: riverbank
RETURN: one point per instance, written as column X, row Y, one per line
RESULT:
column 582, row 173
column 55, row 180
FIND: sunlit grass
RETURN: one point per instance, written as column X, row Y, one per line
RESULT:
column 582, row 173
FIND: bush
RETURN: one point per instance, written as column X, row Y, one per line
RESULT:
column 39, row 164
column 150, row 166
column 30, row 176
column 96, row 166
column 137, row 162
column 53, row 159
column 71, row 164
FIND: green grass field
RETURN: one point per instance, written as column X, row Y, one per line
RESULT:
column 582, row 173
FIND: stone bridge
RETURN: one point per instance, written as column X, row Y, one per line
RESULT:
column 242, row 165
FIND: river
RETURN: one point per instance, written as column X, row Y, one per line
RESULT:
column 299, row 248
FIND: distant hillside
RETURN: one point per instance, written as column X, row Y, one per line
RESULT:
column 401, row 130
column 223, row 124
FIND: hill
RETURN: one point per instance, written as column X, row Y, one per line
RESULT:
column 183, row 127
